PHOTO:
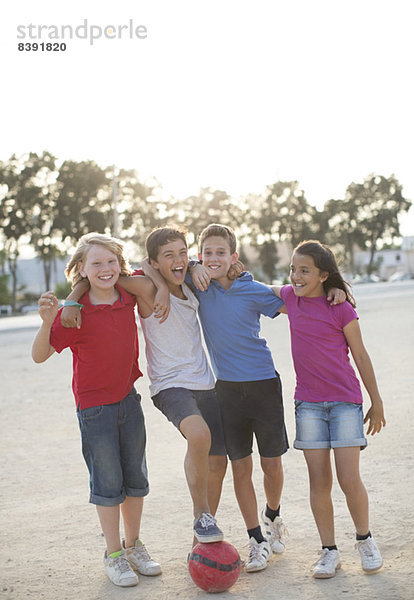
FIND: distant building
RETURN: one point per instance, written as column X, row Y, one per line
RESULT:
column 389, row 261
column 31, row 278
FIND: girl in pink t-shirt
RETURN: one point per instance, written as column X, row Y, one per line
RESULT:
column 328, row 399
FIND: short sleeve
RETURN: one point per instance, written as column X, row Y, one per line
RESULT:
column 284, row 292
column 269, row 303
column 62, row 337
column 345, row 314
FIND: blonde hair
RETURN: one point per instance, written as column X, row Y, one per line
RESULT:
column 114, row 245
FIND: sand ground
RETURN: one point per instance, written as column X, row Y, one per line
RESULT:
column 51, row 546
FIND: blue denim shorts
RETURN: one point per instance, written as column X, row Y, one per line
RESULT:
column 113, row 446
column 178, row 403
column 329, row 425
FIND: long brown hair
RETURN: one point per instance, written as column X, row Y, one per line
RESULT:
column 325, row 260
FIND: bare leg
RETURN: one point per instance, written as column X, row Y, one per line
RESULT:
column 272, row 480
column 320, row 486
column 347, row 469
column 131, row 510
column 217, row 470
column 196, row 463
column 109, row 519
column 244, row 490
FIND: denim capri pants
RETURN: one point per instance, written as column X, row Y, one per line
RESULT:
column 113, row 446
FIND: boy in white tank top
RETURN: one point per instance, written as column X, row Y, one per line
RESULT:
column 182, row 383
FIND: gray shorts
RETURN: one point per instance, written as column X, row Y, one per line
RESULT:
column 177, row 403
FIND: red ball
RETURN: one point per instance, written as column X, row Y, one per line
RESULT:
column 214, row 567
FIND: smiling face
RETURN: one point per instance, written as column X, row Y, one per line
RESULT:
column 172, row 263
column 306, row 278
column 101, row 267
column 217, row 257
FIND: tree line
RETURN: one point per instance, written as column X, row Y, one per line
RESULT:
column 48, row 204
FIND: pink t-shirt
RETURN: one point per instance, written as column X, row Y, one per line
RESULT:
column 320, row 350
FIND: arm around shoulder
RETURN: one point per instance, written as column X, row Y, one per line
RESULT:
column 150, row 290
column 71, row 314
column 276, row 289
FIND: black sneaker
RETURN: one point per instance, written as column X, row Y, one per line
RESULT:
column 206, row 530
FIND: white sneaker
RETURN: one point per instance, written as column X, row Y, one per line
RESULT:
column 140, row 560
column 371, row 559
column 259, row 554
column 276, row 533
column 327, row 564
column 119, row 571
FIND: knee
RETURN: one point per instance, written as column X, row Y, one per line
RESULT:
column 199, row 438
column 272, row 467
column 196, row 432
column 349, row 484
column 319, row 488
column 217, row 465
column 242, row 469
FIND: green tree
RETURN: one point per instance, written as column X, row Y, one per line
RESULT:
column 83, row 200
column 4, row 290
column 367, row 216
column 379, row 201
column 294, row 218
column 43, row 236
column 140, row 207
column 282, row 215
column 21, row 197
column 343, row 231
column 209, row 206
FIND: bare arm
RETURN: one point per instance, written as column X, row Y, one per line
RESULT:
column 335, row 296
column 375, row 414
column 276, row 290
column 151, row 291
column 71, row 315
column 48, row 308
column 201, row 276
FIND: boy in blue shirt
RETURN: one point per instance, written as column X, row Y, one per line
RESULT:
column 248, row 387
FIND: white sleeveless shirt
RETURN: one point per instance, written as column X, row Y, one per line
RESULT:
column 174, row 350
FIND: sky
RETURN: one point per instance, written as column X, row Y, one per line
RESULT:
column 231, row 94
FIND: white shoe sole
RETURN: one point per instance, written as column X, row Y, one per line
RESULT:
column 326, row 575
column 255, row 569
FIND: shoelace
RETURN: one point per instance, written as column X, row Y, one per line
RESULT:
column 281, row 530
column 143, row 552
column 366, row 548
column 277, row 528
column 207, row 520
column 323, row 559
column 123, row 565
column 254, row 552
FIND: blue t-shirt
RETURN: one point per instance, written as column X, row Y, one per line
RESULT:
column 231, row 326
